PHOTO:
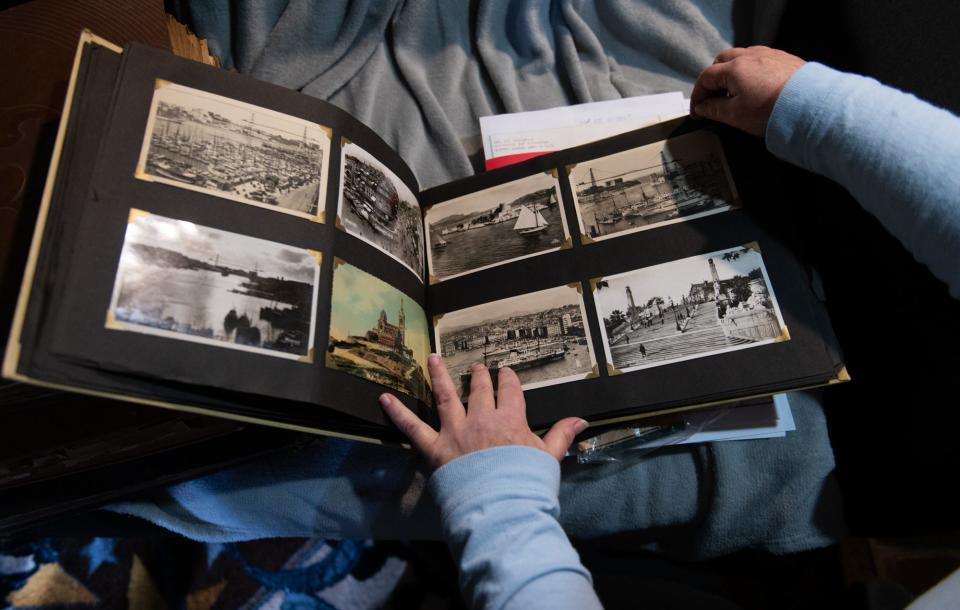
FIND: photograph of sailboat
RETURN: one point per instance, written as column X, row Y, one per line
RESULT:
column 543, row 336
column 495, row 226
column 689, row 308
column 377, row 207
column 670, row 181
column 233, row 150
column 183, row 281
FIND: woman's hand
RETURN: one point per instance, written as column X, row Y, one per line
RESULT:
column 742, row 86
column 488, row 423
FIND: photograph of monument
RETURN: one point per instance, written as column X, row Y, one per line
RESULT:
column 688, row 308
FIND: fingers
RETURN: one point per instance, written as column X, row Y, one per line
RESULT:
column 510, row 393
column 725, row 56
column 481, row 389
column 561, row 435
column 713, row 80
column 420, row 434
column 715, row 108
column 449, row 406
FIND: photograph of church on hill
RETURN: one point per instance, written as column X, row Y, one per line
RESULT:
column 688, row 308
column 666, row 182
column 377, row 333
column 543, row 336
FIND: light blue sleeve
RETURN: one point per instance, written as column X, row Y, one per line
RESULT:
column 897, row 155
column 499, row 510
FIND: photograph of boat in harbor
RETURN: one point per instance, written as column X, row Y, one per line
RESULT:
column 495, row 226
column 670, row 181
column 377, row 207
column 377, row 333
column 543, row 336
column 180, row 280
column 226, row 148
column 688, row 308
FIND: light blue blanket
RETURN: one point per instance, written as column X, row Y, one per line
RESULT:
column 420, row 73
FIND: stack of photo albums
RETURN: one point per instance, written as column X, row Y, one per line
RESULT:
column 212, row 243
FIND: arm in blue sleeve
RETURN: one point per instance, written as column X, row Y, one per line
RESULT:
column 897, row 155
column 499, row 509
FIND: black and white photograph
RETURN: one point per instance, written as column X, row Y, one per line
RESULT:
column 688, row 308
column 184, row 281
column 658, row 184
column 498, row 225
column 377, row 207
column 543, row 336
column 226, row 148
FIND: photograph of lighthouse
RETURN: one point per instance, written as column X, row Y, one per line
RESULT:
column 377, row 333
column 234, row 150
column 180, row 280
column 378, row 208
column 498, row 225
column 662, row 183
column 543, row 336
column 688, row 308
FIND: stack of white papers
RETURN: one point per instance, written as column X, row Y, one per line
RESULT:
column 509, row 138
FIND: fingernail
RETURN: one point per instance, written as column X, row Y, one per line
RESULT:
column 477, row 366
column 433, row 360
column 384, row 400
column 581, row 426
column 505, row 368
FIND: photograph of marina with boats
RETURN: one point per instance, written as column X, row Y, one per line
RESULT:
column 688, row 308
column 229, row 149
column 377, row 207
column 495, row 226
column 184, row 281
column 662, row 183
column 377, row 333
column 542, row 336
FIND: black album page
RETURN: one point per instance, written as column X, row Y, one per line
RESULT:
column 241, row 238
column 620, row 277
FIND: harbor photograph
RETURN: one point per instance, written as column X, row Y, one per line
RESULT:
column 688, row 308
column 543, row 336
column 183, row 281
column 229, row 149
column 498, row 225
column 377, row 207
column 377, row 333
column 670, row 181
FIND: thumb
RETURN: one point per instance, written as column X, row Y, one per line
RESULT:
column 561, row 435
column 715, row 108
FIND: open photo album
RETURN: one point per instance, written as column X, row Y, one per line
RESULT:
column 212, row 243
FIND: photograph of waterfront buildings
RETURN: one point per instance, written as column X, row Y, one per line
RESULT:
column 377, row 207
column 193, row 283
column 688, row 308
column 377, row 333
column 495, row 226
column 661, row 183
column 542, row 336
column 222, row 147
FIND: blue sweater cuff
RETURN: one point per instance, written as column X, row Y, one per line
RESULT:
column 512, row 467
column 794, row 118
